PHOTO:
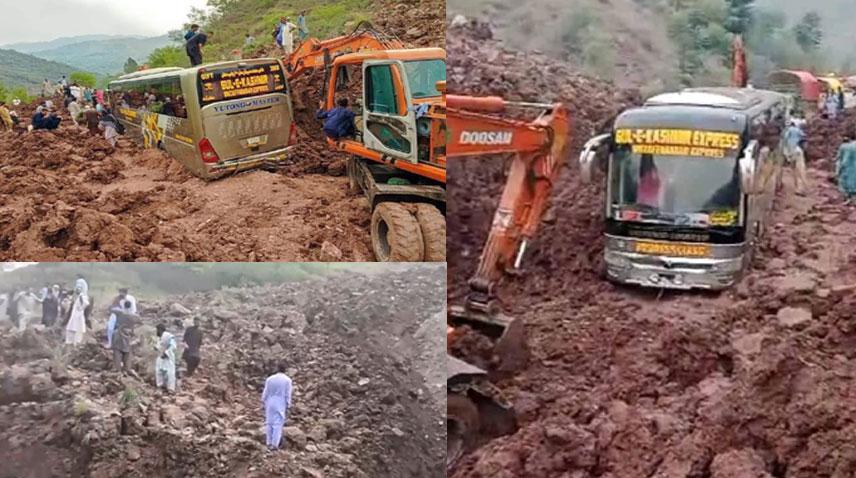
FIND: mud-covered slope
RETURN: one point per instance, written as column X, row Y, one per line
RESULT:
column 363, row 351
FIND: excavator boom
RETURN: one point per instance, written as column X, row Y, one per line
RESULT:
column 314, row 53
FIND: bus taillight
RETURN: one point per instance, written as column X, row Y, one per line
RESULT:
column 292, row 135
column 207, row 151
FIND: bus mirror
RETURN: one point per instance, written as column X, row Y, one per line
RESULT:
column 588, row 156
column 747, row 168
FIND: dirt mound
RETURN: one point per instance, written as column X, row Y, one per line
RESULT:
column 824, row 136
column 626, row 382
column 420, row 22
column 361, row 349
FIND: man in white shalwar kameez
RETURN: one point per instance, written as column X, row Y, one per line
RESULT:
column 165, row 363
column 276, row 399
column 76, row 327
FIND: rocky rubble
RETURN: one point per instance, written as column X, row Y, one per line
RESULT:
column 623, row 382
column 361, row 350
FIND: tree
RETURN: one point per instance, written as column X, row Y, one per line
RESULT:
column 83, row 78
column 130, row 65
column 739, row 16
column 168, row 56
column 808, row 32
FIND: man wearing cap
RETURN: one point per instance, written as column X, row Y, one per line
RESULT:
column 111, row 322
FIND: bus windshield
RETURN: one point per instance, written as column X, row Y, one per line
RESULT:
column 239, row 81
column 423, row 75
column 676, row 190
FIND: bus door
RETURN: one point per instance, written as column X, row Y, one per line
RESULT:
column 389, row 123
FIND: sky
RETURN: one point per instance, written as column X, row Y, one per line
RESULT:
column 44, row 20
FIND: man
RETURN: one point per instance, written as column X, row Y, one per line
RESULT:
column 193, row 340
column 6, row 122
column 285, row 35
column 165, row 363
column 193, row 29
column 845, row 166
column 194, row 47
column 45, row 119
column 117, row 301
column 47, row 88
column 276, row 399
column 76, row 327
column 339, row 121
column 27, row 308
column 794, row 156
column 90, row 119
column 50, row 306
column 248, row 40
column 123, row 333
column 110, row 125
column 76, row 91
column 302, row 30
column 74, row 111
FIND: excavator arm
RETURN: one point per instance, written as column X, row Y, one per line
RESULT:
column 539, row 147
column 314, row 53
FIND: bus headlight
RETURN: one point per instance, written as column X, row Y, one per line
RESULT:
column 730, row 266
column 615, row 259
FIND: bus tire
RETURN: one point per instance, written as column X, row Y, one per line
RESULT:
column 433, row 226
column 396, row 235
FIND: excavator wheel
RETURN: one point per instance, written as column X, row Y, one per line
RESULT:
column 396, row 235
column 462, row 427
column 433, row 226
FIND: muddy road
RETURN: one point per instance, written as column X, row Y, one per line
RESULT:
column 756, row 381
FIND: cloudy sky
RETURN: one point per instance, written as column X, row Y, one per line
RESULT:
column 42, row 20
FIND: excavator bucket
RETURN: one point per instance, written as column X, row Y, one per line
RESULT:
column 510, row 353
column 475, row 410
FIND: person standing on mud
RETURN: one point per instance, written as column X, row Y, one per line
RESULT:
column 90, row 119
column 76, row 327
column 110, row 125
column 123, row 333
column 794, row 156
column 111, row 322
column 276, row 399
column 302, row 29
column 194, row 45
column 6, row 122
column 845, row 166
column 165, row 363
column 50, row 306
column 193, row 340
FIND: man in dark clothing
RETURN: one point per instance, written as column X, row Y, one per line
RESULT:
column 90, row 118
column 193, row 29
column 123, row 333
column 193, row 339
column 339, row 121
column 50, row 306
column 194, row 47
column 45, row 120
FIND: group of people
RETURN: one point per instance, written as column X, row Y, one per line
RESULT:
column 831, row 104
column 56, row 306
column 284, row 31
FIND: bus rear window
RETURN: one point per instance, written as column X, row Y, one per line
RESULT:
column 231, row 83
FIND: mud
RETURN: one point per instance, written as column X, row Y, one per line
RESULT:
column 368, row 392
column 626, row 382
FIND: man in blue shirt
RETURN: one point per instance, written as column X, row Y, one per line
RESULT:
column 794, row 137
column 194, row 47
column 845, row 166
column 339, row 121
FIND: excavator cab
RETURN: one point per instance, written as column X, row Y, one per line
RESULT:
column 388, row 120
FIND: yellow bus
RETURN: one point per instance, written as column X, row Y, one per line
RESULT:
column 215, row 119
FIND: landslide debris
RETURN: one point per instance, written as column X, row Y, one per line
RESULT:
column 364, row 352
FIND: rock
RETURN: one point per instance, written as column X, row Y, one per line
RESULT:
column 459, row 21
column 748, row 344
column 295, row 435
column 308, row 472
column 793, row 316
column 178, row 310
column 132, row 452
column 415, row 32
column 397, row 432
column 330, row 252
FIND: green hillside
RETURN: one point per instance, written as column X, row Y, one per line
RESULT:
column 235, row 18
column 106, row 56
column 19, row 69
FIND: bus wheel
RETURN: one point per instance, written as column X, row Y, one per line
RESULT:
column 433, row 226
column 396, row 235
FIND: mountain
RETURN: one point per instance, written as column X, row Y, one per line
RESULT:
column 56, row 43
column 104, row 56
column 19, row 69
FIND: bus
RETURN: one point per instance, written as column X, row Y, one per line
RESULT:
column 690, row 178
column 215, row 119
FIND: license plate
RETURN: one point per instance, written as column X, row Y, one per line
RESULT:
column 256, row 141
column 667, row 249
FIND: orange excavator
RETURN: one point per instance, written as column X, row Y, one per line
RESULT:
column 539, row 148
column 315, row 53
